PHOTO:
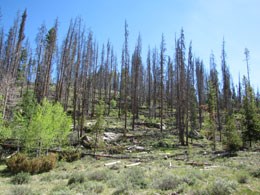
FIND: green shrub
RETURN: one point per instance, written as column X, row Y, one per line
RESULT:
column 256, row 173
column 21, row 178
column 21, row 163
column 218, row 187
column 48, row 124
column 60, row 190
column 55, row 176
column 21, row 190
column 190, row 180
column 242, row 178
column 76, row 178
column 130, row 178
column 93, row 188
column 167, row 182
column 200, row 191
column 121, row 190
column 5, row 131
column 221, row 187
column 113, row 103
column 98, row 175
column 135, row 176
column 70, row 156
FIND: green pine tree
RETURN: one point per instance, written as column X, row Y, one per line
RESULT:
column 251, row 117
column 99, row 125
column 212, row 105
column 232, row 139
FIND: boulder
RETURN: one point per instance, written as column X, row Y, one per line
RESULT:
column 136, row 148
column 110, row 137
column 86, row 141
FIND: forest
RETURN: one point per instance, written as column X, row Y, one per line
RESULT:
column 83, row 102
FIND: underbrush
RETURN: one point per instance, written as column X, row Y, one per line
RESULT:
column 22, row 163
column 70, row 155
column 129, row 179
column 98, row 175
column 21, row 190
column 218, row 187
column 256, row 173
column 21, row 178
column 76, row 178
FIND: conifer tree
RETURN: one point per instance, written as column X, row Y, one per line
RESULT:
column 251, row 123
column 232, row 138
column 99, row 125
column 212, row 105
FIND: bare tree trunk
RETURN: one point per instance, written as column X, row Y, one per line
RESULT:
column 161, row 83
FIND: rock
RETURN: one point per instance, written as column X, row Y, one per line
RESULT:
column 195, row 135
column 136, row 148
column 112, row 137
column 152, row 125
column 87, row 141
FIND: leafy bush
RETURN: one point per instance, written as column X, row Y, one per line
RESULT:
column 46, row 127
column 98, row 175
column 167, row 182
column 76, row 178
column 121, row 190
column 55, row 176
column 200, row 191
column 60, row 190
column 256, row 173
column 218, row 187
column 93, row 188
column 21, row 163
column 135, row 176
column 5, row 131
column 17, row 163
column 190, row 180
column 242, row 178
column 131, row 178
column 47, row 163
column 221, row 187
column 21, row 178
column 21, row 190
column 70, row 155
column 113, row 103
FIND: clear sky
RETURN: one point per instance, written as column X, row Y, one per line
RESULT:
column 205, row 22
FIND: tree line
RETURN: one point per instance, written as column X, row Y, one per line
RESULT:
column 79, row 73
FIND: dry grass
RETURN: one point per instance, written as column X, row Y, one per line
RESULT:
column 164, row 169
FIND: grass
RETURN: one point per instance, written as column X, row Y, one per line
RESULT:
column 161, row 176
column 164, row 169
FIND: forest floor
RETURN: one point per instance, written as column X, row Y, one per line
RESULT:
column 147, row 162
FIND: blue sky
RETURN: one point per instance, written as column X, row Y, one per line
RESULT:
column 205, row 22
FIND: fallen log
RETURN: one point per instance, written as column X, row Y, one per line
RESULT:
column 112, row 163
column 12, row 155
column 224, row 154
column 198, row 164
column 134, row 164
column 112, row 156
